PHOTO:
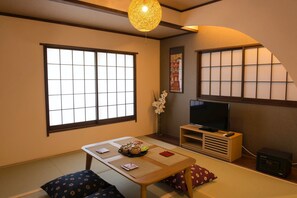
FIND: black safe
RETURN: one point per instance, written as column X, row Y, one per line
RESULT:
column 273, row 162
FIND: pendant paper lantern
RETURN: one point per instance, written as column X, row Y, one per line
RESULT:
column 145, row 15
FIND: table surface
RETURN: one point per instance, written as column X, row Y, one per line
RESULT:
column 161, row 167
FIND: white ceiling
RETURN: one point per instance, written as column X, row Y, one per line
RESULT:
column 109, row 15
column 183, row 5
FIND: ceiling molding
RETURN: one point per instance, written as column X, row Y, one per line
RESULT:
column 190, row 8
column 168, row 37
column 112, row 11
column 120, row 23
column 123, row 13
column 93, row 7
column 73, row 25
column 201, row 5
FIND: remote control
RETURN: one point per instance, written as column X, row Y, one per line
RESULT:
column 229, row 134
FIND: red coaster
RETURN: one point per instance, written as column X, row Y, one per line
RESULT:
column 166, row 153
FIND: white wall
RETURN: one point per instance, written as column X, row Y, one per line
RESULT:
column 271, row 22
column 22, row 99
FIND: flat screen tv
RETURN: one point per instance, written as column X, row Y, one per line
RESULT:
column 210, row 116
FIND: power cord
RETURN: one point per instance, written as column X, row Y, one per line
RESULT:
column 252, row 154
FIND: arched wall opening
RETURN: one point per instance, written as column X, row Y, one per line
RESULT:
column 272, row 23
column 262, row 125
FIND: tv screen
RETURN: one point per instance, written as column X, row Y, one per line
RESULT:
column 212, row 116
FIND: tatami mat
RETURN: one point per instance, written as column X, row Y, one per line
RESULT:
column 233, row 181
column 30, row 176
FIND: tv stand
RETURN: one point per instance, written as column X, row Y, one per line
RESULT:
column 209, row 129
column 211, row 143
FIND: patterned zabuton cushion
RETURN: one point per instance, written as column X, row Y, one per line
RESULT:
column 110, row 192
column 199, row 176
column 79, row 184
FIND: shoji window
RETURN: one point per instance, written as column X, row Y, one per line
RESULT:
column 221, row 73
column 245, row 74
column 87, row 87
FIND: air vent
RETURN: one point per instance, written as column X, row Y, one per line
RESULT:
column 217, row 145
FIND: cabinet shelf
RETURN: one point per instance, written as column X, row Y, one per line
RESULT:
column 192, row 146
column 193, row 136
column 213, row 144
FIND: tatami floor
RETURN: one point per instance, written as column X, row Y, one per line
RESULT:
column 233, row 181
column 29, row 176
column 26, row 177
column 246, row 160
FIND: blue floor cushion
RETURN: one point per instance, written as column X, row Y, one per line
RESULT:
column 75, row 185
column 109, row 192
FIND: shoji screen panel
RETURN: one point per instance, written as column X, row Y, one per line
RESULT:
column 264, row 73
column 215, row 73
column 221, row 73
column 205, row 74
column 245, row 74
column 265, row 77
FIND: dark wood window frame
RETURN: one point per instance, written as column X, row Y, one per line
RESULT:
column 97, row 121
column 240, row 99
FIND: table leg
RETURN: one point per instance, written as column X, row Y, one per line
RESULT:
column 88, row 161
column 143, row 191
column 189, row 181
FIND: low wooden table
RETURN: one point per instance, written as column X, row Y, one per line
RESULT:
column 152, row 167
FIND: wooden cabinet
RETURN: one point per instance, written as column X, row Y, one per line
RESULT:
column 211, row 143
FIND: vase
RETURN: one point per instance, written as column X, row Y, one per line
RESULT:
column 158, row 132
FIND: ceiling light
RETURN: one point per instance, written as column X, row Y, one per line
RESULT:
column 145, row 15
column 190, row 28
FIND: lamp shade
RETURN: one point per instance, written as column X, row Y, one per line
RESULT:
column 145, row 15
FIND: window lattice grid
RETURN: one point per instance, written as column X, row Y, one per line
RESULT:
column 265, row 77
column 80, row 83
column 71, row 86
column 221, row 72
column 252, row 72
column 115, row 86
